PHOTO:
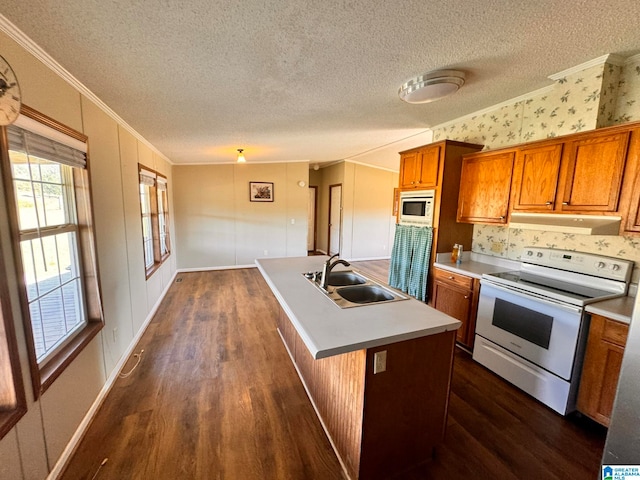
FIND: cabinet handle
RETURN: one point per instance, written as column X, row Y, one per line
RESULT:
column 565, row 203
column 501, row 217
column 466, row 297
column 451, row 278
column 549, row 203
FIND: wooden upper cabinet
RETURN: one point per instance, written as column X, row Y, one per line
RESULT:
column 429, row 166
column 535, row 178
column 420, row 168
column 485, row 187
column 630, row 196
column 409, row 170
column 592, row 173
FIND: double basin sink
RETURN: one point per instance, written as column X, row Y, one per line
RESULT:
column 347, row 288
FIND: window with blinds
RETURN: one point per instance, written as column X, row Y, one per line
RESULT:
column 54, row 234
column 155, row 218
column 147, row 191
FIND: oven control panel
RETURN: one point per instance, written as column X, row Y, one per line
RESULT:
column 581, row 262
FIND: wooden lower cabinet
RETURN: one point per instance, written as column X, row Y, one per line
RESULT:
column 379, row 424
column 457, row 296
column 601, row 369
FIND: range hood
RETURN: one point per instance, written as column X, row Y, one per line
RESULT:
column 560, row 222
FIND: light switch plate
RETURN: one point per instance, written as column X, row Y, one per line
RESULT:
column 379, row 362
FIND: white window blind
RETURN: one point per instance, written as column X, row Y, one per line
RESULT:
column 147, row 177
column 36, row 145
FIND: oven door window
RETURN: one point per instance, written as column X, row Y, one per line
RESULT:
column 530, row 325
column 414, row 208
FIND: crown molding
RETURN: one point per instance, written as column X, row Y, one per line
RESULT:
column 234, row 162
column 377, row 167
column 608, row 58
column 34, row 49
column 633, row 59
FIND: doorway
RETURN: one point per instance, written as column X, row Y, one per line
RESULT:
column 335, row 218
column 312, row 219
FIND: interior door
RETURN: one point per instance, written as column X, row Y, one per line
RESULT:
column 335, row 218
column 311, row 232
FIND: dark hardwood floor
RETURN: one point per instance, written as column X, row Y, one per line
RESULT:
column 216, row 397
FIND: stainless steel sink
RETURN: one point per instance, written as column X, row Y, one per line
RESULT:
column 349, row 277
column 365, row 294
column 347, row 288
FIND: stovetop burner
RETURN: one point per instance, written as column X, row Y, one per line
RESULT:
column 573, row 277
column 575, row 294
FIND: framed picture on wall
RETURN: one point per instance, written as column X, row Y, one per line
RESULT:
column 261, row 191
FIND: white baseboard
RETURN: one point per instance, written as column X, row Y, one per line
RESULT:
column 364, row 259
column 207, row 269
column 68, row 451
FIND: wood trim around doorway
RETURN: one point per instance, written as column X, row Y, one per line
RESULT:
column 329, row 218
column 315, row 217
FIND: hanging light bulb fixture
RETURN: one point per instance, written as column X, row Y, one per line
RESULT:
column 241, row 158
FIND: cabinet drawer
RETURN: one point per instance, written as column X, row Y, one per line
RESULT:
column 615, row 332
column 453, row 278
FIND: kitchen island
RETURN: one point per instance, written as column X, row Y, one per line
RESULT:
column 377, row 375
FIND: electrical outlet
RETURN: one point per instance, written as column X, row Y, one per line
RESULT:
column 496, row 247
column 115, row 335
column 266, row 253
column 379, row 362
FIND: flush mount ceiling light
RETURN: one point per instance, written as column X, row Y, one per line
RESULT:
column 431, row 86
column 241, row 158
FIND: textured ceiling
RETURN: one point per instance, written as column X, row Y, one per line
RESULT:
column 311, row 80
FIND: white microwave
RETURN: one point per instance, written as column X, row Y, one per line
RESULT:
column 416, row 208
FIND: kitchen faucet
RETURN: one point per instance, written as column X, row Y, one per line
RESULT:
column 327, row 267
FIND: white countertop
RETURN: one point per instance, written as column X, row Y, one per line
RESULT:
column 475, row 264
column 327, row 329
column 619, row 309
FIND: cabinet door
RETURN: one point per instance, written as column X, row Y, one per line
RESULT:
column 630, row 204
column 535, row 178
column 593, row 175
column 601, row 369
column 456, row 303
column 409, row 169
column 429, row 166
column 485, row 187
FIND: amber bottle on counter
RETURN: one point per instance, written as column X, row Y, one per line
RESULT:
column 456, row 254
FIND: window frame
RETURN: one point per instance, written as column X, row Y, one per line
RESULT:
column 43, row 375
column 162, row 195
column 10, row 365
column 154, row 198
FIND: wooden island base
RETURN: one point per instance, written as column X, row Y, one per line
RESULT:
column 379, row 424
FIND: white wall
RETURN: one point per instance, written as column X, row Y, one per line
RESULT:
column 367, row 207
column 32, row 448
column 217, row 225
